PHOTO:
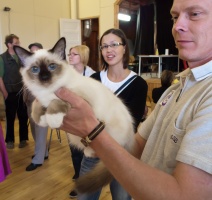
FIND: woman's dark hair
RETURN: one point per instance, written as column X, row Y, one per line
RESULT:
column 121, row 35
column 167, row 78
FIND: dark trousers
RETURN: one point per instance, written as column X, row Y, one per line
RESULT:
column 76, row 156
column 14, row 105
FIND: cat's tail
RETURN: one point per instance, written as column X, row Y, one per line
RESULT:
column 93, row 180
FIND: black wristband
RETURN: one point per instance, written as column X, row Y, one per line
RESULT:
column 98, row 129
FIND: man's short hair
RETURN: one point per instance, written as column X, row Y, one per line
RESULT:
column 35, row 44
column 9, row 38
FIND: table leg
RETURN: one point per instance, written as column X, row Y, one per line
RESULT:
column 159, row 66
column 139, row 67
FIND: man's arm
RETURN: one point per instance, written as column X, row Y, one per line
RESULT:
column 145, row 182
column 139, row 179
column 3, row 89
column 2, row 86
column 138, row 146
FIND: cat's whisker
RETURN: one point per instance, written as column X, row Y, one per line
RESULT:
column 21, row 91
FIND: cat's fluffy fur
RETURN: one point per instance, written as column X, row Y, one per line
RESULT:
column 43, row 73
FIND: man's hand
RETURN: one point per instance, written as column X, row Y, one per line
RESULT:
column 80, row 119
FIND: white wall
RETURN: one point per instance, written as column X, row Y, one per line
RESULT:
column 102, row 9
column 88, row 9
column 38, row 20
column 107, row 15
column 32, row 20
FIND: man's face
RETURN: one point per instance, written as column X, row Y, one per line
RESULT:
column 34, row 48
column 15, row 42
column 192, row 30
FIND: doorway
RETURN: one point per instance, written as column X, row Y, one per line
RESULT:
column 90, row 38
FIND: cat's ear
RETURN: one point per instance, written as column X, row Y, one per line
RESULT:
column 22, row 53
column 59, row 48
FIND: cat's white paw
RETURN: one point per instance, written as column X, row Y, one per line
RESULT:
column 55, row 120
column 42, row 121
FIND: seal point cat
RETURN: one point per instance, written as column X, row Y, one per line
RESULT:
column 44, row 72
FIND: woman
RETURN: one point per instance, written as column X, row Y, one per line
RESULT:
column 78, row 57
column 167, row 79
column 4, row 162
column 115, row 75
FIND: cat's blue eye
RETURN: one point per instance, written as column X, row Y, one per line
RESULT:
column 35, row 70
column 52, row 67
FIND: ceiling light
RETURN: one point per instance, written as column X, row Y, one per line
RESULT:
column 124, row 17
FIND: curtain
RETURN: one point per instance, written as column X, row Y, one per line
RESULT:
column 164, row 27
column 144, row 42
column 165, row 39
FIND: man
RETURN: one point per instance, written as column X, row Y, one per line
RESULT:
column 174, row 144
column 39, row 133
column 11, row 86
column 35, row 46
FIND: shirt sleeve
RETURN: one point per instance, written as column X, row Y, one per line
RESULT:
column 145, row 127
column 1, row 67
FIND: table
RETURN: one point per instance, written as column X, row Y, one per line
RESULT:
column 160, row 60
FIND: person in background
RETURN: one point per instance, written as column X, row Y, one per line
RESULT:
column 11, row 87
column 167, row 78
column 115, row 74
column 174, row 143
column 39, row 133
column 78, row 57
column 5, row 169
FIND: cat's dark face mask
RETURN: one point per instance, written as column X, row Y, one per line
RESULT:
column 43, row 69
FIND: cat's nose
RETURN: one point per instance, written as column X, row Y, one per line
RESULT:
column 45, row 77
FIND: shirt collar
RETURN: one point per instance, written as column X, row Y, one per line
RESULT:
column 202, row 71
column 183, row 75
column 199, row 73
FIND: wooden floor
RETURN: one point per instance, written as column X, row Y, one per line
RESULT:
column 51, row 181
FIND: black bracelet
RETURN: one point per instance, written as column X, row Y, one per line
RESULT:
column 98, row 129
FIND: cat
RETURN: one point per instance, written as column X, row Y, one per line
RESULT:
column 44, row 72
